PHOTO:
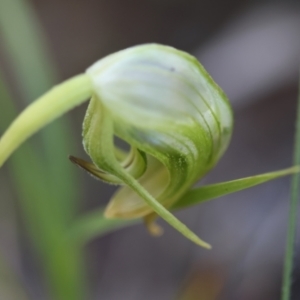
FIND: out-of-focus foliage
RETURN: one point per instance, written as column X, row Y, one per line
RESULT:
column 247, row 227
column 45, row 184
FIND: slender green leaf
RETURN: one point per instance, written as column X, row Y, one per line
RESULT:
column 292, row 222
column 213, row 191
column 94, row 224
column 45, row 180
column 35, row 73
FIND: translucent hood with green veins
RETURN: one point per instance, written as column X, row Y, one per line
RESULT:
column 162, row 102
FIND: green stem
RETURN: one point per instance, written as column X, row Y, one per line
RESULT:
column 48, row 107
column 94, row 225
column 292, row 223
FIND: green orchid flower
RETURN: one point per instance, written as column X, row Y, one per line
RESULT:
column 176, row 119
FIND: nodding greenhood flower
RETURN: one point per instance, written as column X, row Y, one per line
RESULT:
column 163, row 103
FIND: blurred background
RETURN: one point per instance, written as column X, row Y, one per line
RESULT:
column 251, row 49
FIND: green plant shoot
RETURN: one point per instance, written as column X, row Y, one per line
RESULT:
column 176, row 119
